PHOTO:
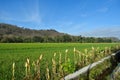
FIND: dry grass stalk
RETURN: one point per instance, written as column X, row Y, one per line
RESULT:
column 36, row 65
column 54, row 55
column 26, row 70
column 94, row 54
column 77, row 57
column 82, row 59
column 93, row 48
column 13, row 71
column 86, row 59
column 66, row 52
column 86, row 51
column 37, row 71
column 40, row 58
column 74, row 50
column 60, row 74
column 60, row 60
column 53, row 68
column 37, row 68
column 47, row 74
column 85, row 56
column 28, row 65
column 74, row 56
column 106, row 50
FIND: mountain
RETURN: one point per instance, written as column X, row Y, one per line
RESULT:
column 12, row 33
column 8, row 29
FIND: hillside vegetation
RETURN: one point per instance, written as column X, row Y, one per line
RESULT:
column 12, row 33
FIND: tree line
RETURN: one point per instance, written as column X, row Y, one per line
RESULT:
column 14, row 34
column 57, row 39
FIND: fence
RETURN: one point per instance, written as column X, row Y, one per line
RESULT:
column 115, row 75
column 85, row 69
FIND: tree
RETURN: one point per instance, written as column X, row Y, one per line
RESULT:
column 38, row 39
column 27, row 40
column 67, row 38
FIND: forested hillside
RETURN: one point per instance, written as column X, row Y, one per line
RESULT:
column 12, row 33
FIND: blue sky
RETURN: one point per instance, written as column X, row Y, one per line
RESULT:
column 99, row 18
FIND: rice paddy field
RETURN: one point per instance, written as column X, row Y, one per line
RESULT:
column 48, row 61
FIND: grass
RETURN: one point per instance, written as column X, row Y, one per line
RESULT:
column 19, row 52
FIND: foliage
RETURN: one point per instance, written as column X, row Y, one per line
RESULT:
column 14, row 34
column 68, row 67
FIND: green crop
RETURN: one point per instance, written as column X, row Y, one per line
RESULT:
column 77, row 56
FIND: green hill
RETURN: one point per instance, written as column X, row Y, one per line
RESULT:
column 12, row 33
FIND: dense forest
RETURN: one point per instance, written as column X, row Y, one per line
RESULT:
column 14, row 34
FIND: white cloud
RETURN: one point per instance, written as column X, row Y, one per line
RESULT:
column 105, row 32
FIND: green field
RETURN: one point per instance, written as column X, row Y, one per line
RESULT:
column 19, row 52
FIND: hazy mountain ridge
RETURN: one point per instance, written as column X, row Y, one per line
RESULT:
column 12, row 33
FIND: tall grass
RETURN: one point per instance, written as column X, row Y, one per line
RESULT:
column 59, row 68
column 41, row 61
